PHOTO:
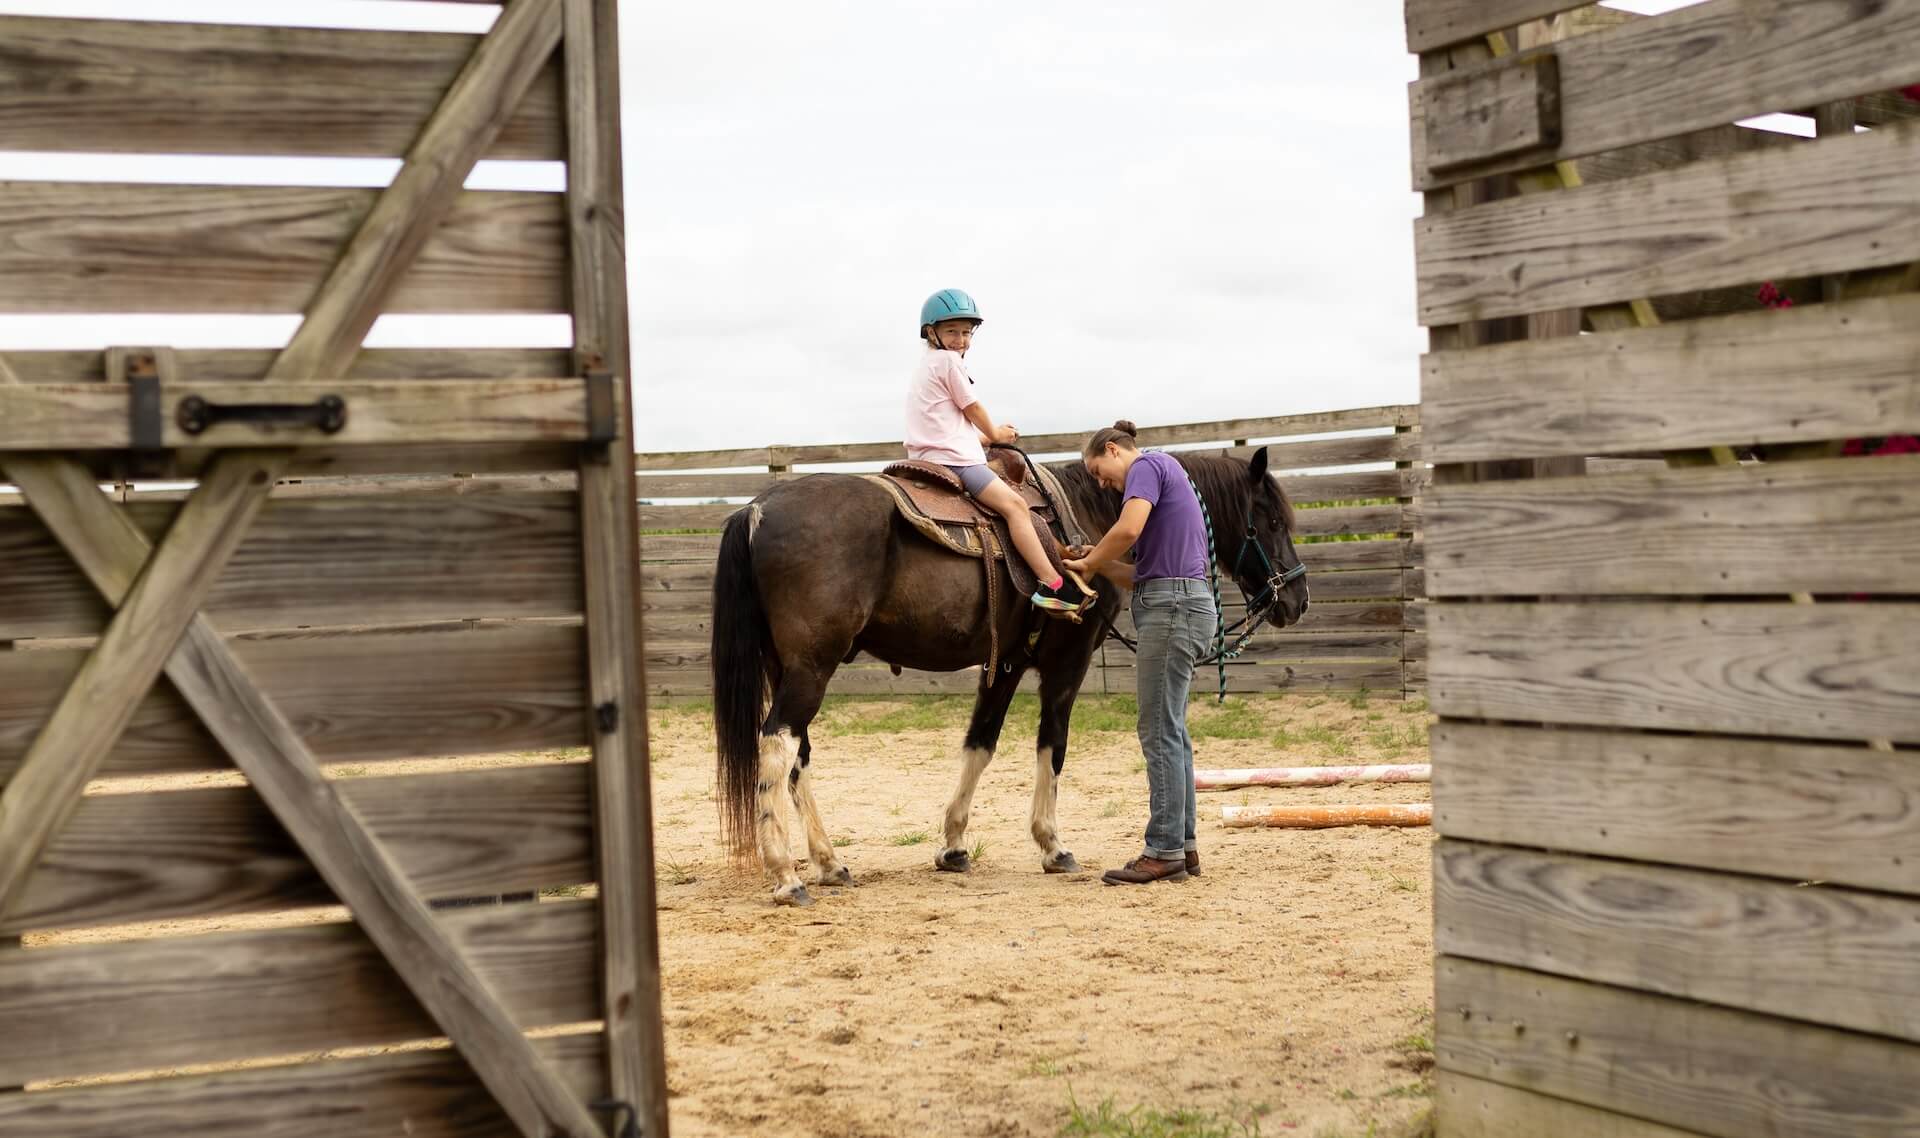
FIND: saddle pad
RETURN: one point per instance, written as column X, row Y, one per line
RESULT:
column 952, row 521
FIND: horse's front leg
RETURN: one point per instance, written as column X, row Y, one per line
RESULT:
column 983, row 735
column 1062, row 669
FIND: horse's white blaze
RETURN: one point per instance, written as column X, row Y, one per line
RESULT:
column 819, row 846
column 778, row 752
column 973, row 763
column 1046, row 790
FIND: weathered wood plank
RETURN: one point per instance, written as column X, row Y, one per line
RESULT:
column 1440, row 23
column 1724, row 1073
column 1696, row 69
column 1827, row 206
column 86, row 247
column 1838, row 671
column 326, row 561
column 1837, row 526
column 654, row 517
column 356, row 696
column 1219, row 431
column 161, row 597
column 124, row 858
column 422, row 1094
column 1342, row 675
column 1466, row 1107
column 134, row 1005
column 1807, row 373
column 1845, row 815
column 176, row 88
column 228, row 365
column 94, row 416
column 1831, row 956
column 1474, row 117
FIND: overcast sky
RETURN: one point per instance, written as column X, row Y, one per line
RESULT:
column 1167, row 211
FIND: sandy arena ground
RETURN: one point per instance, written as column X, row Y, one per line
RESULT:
column 1287, row 989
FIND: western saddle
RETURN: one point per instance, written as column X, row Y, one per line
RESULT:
column 931, row 499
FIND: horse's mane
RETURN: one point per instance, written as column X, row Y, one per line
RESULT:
column 1222, row 482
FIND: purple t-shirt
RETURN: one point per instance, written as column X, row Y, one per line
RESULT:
column 1174, row 542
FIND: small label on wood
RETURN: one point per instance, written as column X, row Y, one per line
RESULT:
column 1510, row 108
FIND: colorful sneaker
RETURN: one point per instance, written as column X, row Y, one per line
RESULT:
column 1064, row 599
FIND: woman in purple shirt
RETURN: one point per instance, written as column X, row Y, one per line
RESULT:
column 1174, row 618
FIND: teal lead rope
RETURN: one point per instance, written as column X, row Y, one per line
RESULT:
column 1220, row 655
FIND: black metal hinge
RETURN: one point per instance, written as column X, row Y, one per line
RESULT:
column 603, row 411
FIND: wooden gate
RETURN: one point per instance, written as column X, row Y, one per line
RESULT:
column 297, row 631
column 1678, row 886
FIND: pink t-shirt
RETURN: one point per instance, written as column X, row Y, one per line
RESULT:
column 937, row 397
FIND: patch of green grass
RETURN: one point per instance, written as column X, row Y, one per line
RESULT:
column 1404, row 884
column 1328, row 740
column 1112, row 713
column 674, row 873
column 979, row 851
column 1113, row 809
column 349, row 772
column 1283, row 736
column 1235, row 719
column 1358, row 699
column 1045, row 1069
column 564, row 891
column 913, row 839
column 1108, row 1121
column 1387, row 740
column 842, row 842
column 1417, row 706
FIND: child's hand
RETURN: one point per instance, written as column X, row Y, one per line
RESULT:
column 1005, row 433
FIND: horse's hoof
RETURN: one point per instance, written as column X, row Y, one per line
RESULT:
column 797, row 897
column 954, row 861
column 1063, row 863
column 841, row 876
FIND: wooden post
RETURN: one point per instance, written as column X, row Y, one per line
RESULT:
column 623, row 805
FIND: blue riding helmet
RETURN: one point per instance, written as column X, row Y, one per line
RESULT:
column 949, row 304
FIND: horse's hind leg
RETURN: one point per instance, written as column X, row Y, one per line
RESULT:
column 983, row 735
column 819, row 846
column 794, row 704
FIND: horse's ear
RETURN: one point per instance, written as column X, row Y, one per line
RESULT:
column 1257, row 469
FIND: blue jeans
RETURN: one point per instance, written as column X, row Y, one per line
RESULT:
column 1174, row 619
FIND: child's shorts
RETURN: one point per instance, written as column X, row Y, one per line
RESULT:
column 975, row 478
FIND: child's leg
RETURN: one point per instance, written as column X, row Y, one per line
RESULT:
column 1002, row 499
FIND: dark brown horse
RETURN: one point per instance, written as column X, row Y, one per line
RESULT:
column 819, row 569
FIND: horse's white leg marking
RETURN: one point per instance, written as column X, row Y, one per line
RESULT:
column 826, row 866
column 778, row 753
column 1046, row 791
column 973, row 763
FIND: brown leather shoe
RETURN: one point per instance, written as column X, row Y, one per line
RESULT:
column 1145, row 871
column 1193, row 863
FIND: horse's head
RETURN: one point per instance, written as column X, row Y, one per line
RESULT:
column 1267, row 568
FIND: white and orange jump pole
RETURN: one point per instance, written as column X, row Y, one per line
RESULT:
column 1322, row 817
column 1311, row 776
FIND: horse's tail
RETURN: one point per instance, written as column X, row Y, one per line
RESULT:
column 744, row 669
